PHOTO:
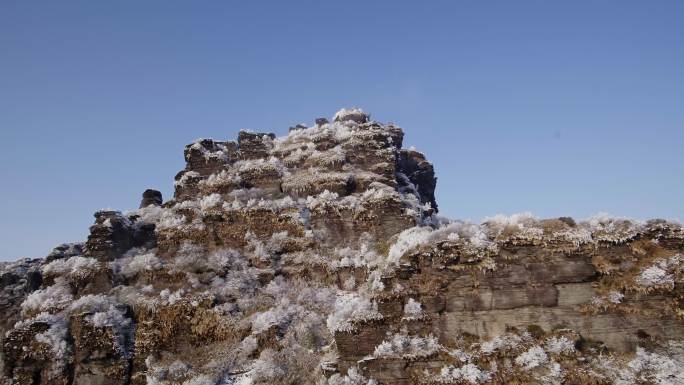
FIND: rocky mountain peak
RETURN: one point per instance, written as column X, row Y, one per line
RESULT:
column 319, row 257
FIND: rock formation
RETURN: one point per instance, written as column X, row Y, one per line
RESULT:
column 320, row 258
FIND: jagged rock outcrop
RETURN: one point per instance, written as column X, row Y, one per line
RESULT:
column 151, row 197
column 319, row 258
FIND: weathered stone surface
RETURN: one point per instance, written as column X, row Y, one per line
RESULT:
column 101, row 354
column 618, row 332
column 254, row 145
column 113, row 234
column 420, row 173
column 317, row 258
column 151, row 197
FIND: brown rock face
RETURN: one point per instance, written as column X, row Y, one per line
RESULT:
column 318, row 258
column 113, row 234
column 151, row 197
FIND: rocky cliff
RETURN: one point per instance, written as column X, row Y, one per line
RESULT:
column 320, row 258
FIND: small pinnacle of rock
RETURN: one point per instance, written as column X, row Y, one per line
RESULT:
column 151, row 197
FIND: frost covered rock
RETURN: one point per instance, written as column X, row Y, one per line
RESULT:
column 351, row 115
column 254, row 145
column 113, row 234
column 318, row 257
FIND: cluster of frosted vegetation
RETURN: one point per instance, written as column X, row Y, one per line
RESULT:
column 519, row 357
column 407, row 347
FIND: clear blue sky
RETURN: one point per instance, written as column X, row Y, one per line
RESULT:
column 554, row 107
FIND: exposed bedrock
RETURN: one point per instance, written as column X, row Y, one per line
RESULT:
column 318, row 257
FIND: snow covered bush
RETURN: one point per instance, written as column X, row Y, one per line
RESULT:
column 76, row 267
column 350, row 115
column 220, row 150
column 560, row 345
column 504, row 342
column 474, row 242
column 51, row 298
column 115, row 319
column 408, row 240
column 413, row 309
column 185, row 178
column 607, row 228
column 210, row 201
column 350, row 307
column 605, row 301
column 55, row 337
column 649, row 367
column 170, row 220
column 221, row 178
column 522, row 225
column 404, row 346
column 362, row 256
column 659, row 274
column 170, row 297
column 353, row 377
column 191, row 258
column 201, row 379
column 136, row 261
column 468, row 372
column 532, row 358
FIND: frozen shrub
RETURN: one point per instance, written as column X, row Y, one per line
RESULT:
column 363, row 256
column 560, row 345
column 532, row 358
column 92, row 303
column 659, row 274
column 412, row 309
column 265, row 251
column 115, row 319
column 202, row 379
column 404, row 346
column 221, row 152
column 604, row 227
column 655, row 368
column 221, row 178
column 353, row 377
column 475, row 243
column 279, row 315
column 351, row 307
column 468, row 372
column 508, row 341
column 239, row 282
column 136, row 261
column 605, row 301
column 326, row 197
column 54, row 297
column 328, row 158
column 171, row 297
column 170, row 220
column 150, row 213
column 55, row 337
column 615, row 297
column 186, row 177
column 112, row 317
column 407, row 240
column 223, row 259
column 655, row 276
column 190, row 258
column 210, row 201
column 76, row 267
column 522, row 225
